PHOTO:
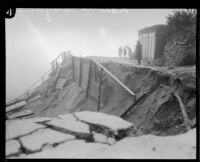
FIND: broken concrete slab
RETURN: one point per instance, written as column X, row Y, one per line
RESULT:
column 98, row 137
column 117, row 134
column 113, row 122
column 79, row 135
column 43, row 137
column 55, row 141
column 71, row 149
column 72, row 125
column 15, row 128
column 12, row 147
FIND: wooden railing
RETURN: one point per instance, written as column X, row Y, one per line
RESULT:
column 114, row 78
column 77, row 64
column 102, row 71
column 40, row 82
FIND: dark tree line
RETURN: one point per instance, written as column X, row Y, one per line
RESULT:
column 184, row 22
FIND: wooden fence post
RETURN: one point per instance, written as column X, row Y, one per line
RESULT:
column 43, row 80
column 99, row 93
column 56, row 79
column 80, row 72
column 52, row 65
column 62, row 56
column 184, row 112
column 73, row 68
column 26, row 97
column 89, row 79
column 95, row 72
column 43, row 83
column 57, row 64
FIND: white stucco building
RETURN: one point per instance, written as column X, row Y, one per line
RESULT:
column 152, row 41
column 148, row 45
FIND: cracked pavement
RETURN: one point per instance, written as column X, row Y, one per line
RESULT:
column 66, row 135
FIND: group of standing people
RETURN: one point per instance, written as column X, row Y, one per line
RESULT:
column 126, row 51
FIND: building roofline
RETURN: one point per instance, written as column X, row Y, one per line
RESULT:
column 151, row 29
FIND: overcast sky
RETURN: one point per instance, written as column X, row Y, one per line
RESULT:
column 34, row 37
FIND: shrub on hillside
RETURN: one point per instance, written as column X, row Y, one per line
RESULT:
column 189, row 57
column 184, row 20
column 159, row 61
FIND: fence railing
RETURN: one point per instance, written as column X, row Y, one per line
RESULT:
column 40, row 82
column 90, row 75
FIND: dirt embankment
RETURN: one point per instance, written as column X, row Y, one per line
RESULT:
column 158, row 111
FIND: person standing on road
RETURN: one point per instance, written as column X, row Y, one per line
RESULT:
column 129, row 52
column 125, row 53
column 138, row 52
column 120, row 51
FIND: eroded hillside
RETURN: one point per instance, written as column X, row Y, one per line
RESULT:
column 156, row 110
column 152, row 99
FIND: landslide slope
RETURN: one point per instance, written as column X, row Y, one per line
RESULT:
column 157, row 111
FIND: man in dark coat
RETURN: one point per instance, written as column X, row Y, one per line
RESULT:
column 120, row 51
column 125, row 53
column 138, row 52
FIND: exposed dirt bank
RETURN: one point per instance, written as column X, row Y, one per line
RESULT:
column 157, row 110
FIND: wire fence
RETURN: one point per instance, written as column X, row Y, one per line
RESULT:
column 93, row 78
column 38, row 84
column 101, row 85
